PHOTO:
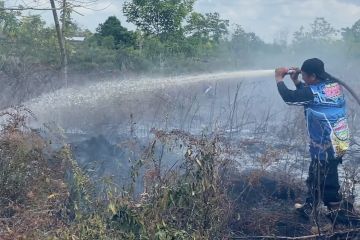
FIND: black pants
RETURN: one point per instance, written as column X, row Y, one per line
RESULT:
column 323, row 181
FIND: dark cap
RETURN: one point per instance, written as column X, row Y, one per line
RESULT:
column 315, row 66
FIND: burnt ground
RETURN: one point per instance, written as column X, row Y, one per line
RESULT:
column 263, row 200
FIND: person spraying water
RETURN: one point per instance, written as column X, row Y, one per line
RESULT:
column 323, row 100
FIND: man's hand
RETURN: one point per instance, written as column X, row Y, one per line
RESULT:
column 280, row 74
column 295, row 75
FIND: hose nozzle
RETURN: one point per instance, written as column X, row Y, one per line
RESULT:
column 292, row 71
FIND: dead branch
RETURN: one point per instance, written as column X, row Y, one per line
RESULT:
column 28, row 8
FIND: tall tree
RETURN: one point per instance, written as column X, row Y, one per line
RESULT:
column 112, row 27
column 244, row 44
column 60, row 36
column 353, row 33
column 351, row 37
column 209, row 26
column 159, row 17
column 9, row 23
column 320, row 31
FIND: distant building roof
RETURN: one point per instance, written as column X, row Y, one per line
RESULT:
column 75, row 39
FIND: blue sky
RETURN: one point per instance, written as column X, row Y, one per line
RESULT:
column 270, row 19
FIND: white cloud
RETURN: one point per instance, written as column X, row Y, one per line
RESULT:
column 268, row 18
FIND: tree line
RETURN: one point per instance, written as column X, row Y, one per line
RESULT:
column 170, row 37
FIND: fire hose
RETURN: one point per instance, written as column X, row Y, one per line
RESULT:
column 345, row 85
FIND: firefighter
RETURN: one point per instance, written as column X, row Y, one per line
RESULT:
column 325, row 113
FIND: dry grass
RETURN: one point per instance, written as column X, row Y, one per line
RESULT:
column 202, row 195
column 32, row 186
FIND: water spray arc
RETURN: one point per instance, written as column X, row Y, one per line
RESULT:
column 107, row 91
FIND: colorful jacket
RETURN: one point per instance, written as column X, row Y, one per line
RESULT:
column 325, row 114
